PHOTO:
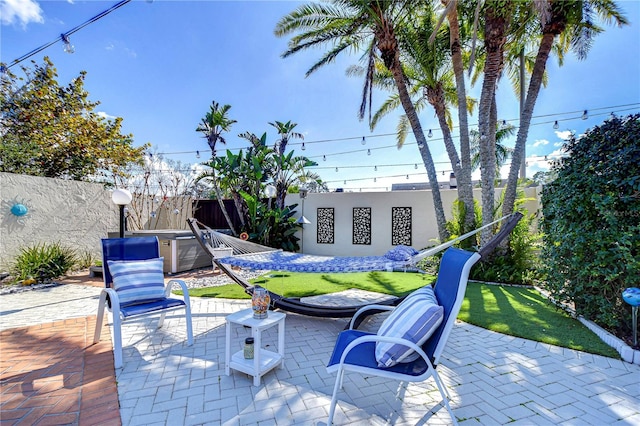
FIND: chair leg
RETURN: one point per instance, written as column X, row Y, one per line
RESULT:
column 161, row 319
column 334, row 396
column 187, row 312
column 117, row 340
column 101, row 303
column 445, row 396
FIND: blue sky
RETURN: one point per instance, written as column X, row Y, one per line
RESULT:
column 160, row 64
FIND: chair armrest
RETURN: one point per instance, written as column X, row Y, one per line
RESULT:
column 183, row 285
column 114, row 299
column 369, row 308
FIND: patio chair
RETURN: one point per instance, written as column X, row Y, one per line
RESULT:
column 408, row 344
column 134, row 286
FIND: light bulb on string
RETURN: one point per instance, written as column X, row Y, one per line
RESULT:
column 368, row 152
column 430, row 134
column 415, row 166
column 585, row 115
column 407, row 176
column 324, row 158
column 556, row 125
column 504, row 122
column 197, row 154
column 303, row 147
column 375, row 179
column 375, row 168
column 68, row 47
column 345, row 182
column 364, row 141
column 336, row 170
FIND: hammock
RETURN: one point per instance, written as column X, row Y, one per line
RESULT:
column 247, row 254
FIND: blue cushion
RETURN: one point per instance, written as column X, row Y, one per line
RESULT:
column 415, row 319
column 138, row 281
column 401, row 253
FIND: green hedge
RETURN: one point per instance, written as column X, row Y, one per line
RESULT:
column 591, row 222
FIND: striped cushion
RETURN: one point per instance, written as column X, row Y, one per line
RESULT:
column 137, row 281
column 415, row 319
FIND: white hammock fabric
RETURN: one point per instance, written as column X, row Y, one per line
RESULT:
column 255, row 256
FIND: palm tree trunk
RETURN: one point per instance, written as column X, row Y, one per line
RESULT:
column 495, row 38
column 216, row 188
column 427, row 159
column 463, row 174
column 525, row 121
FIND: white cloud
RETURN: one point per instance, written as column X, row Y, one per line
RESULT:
column 564, row 134
column 20, row 11
column 540, row 142
column 105, row 115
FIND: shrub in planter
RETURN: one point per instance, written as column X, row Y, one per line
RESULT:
column 43, row 262
column 591, row 222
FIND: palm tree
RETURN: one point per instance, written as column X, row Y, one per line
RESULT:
column 575, row 21
column 214, row 123
column 502, row 151
column 285, row 130
column 369, row 25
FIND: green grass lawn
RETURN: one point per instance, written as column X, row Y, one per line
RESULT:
column 516, row 311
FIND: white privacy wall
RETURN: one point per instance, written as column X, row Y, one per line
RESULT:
column 75, row 214
column 424, row 232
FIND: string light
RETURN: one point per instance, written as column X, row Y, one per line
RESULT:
column 336, row 170
column 415, row 166
column 368, row 152
column 197, row 154
column 504, row 122
column 375, row 168
column 556, row 125
column 585, row 115
column 324, row 158
column 303, row 147
column 64, row 37
column 363, row 141
column 430, row 134
column 407, row 176
column 68, row 47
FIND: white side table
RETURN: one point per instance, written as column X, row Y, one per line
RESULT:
column 263, row 360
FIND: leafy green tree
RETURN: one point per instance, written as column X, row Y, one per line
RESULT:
column 285, row 130
column 591, row 222
column 502, row 151
column 53, row 131
column 214, row 123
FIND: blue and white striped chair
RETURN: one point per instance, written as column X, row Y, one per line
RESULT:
column 413, row 336
column 134, row 286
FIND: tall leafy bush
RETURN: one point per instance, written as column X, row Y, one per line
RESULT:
column 43, row 262
column 591, row 222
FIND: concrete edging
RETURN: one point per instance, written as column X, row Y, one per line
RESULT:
column 627, row 353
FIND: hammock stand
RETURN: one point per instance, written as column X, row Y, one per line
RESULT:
column 295, row 305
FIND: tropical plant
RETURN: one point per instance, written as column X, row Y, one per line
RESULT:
column 285, row 131
column 43, row 262
column 214, row 123
column 53, row 131
column 370, row 26
column 591, row 222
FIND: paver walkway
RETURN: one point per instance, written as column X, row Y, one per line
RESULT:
column 494, row 379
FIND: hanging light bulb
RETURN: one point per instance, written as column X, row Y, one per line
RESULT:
column 407, row 176
column 556, row 125
column 336, row 169
column 375, row 179
column 504, row 122
column 368, row 152
column 345, row 182
column 363, row 141
column 197, row 154
column 68, row 47
column 443, row 173
column 303, row 147
column 375, row 168
column 585, row 115
column 430, row 134
column 415, row 166
column 324, row 158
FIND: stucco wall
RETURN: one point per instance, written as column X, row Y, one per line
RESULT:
column 76, row 214
column 424, row 231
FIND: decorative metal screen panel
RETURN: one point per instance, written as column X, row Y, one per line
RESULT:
column 401, row 226
column 362, row 225
column 326, row 225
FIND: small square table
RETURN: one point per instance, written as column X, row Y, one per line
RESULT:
column 263, row 360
